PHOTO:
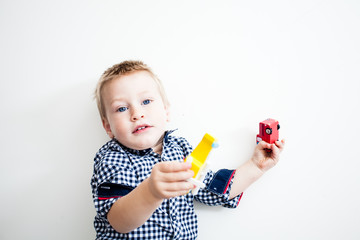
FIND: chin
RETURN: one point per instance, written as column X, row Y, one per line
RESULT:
column 143, row 146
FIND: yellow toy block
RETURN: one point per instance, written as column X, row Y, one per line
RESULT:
column 198, row 159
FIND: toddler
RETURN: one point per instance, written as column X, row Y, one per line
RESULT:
column 139, row 182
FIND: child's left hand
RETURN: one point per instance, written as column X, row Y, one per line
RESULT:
column 265, row 159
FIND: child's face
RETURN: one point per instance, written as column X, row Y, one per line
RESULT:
column 135, row 112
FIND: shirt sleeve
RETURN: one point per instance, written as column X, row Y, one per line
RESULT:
column 217, row 190
column 112, row 179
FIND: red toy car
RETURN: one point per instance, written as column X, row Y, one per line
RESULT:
column 268, row 131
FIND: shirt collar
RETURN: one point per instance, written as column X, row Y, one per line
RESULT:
column 166, row 136
column 116, row 145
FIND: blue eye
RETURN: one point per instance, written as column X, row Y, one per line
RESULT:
column 146, row 102
column 122, row 109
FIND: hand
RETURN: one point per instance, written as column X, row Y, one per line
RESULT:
column 168, row 179
column 265, row 159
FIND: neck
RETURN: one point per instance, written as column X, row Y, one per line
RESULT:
column 158, row 147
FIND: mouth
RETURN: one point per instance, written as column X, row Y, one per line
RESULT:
column 140, row 129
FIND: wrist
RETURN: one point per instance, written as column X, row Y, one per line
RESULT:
column 254, row 169
column 150, row 196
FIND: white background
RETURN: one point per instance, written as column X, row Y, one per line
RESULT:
column 226, row 66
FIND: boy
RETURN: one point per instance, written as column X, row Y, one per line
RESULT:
column 139, row 182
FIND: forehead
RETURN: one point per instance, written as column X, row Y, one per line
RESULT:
column 136, row 82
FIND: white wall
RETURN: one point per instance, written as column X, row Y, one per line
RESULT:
column 226, row 66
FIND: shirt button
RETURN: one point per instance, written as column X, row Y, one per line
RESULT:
column 174, row 218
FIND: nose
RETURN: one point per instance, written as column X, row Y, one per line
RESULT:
column 136, row 114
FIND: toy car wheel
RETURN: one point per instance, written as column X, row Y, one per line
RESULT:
column 268, row 131
column 278, row 126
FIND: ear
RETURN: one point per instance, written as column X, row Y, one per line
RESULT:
column 167, row 111
column 107, row 128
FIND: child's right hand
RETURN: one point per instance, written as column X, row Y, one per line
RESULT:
column 168, row 179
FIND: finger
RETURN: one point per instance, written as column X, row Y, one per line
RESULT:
column 176, row 189
column 179, row 186
column 264, row 145
column 275, row 150
column 177, row 176
column 170, row 167
column 176, row 194
column 280, row 144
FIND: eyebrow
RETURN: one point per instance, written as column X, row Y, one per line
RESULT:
column 144, row 92
column 120, row 99
column 117, row 100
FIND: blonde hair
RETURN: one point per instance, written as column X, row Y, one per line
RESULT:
column 121, row 69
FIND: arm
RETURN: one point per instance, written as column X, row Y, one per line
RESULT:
column 167, row 179
column 253, row 169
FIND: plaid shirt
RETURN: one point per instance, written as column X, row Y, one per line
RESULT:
column 118, row 170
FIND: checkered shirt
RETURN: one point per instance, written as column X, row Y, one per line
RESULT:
column 118, row 170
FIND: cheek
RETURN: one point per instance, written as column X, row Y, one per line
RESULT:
column 118, row 125
column 121, row 132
